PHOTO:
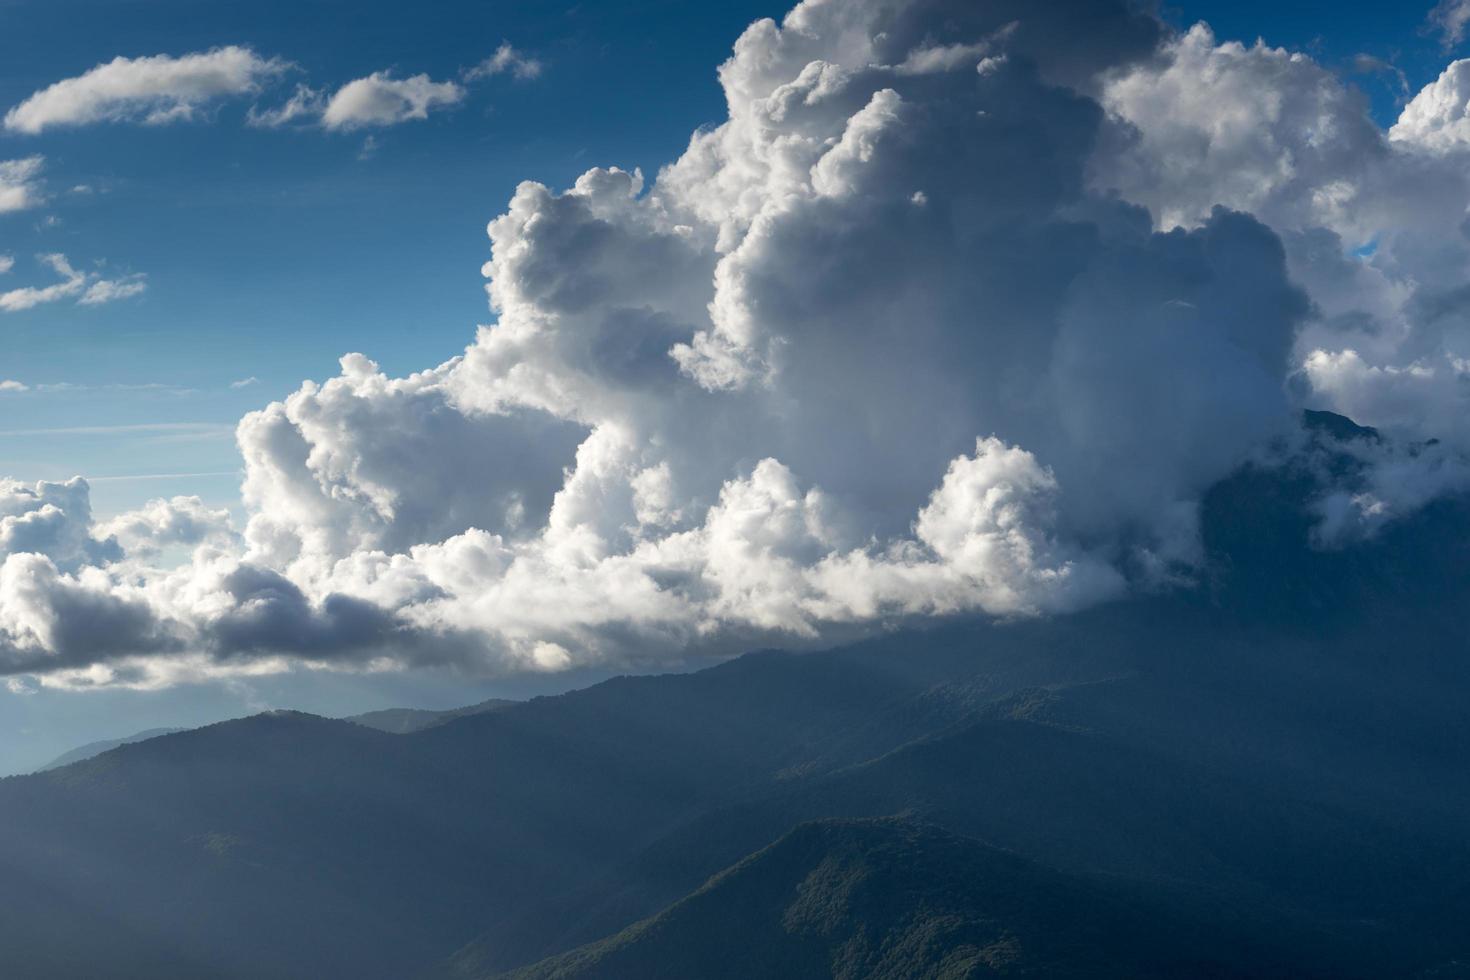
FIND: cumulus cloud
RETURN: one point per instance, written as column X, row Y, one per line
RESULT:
column 87, row 289
column 20, row 188
column 180, row 521
column 506, row 61
column 152, row 90
column 1372, row 222
column 961, row 310
column 1438, row 117
column 53, row 520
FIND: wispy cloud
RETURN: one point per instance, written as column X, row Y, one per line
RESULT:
column 506, row 61
column 375, row 101
column 13, row 386
column 1450, row 18
column 87, row 288
column 306, row 105
column 380, row 99
column 161, row 476
column 110, row 290
column 7, row 262
column 245, row 382
column 20, row 185
column 153, row 90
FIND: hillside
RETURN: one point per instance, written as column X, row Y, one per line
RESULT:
column 87, row 751
column 892, row 900
column 401, row 721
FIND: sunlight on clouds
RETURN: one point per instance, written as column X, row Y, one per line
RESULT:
column 960, row 311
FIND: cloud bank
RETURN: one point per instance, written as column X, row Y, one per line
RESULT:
column 961, row 310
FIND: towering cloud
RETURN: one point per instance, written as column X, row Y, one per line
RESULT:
column 961, row 309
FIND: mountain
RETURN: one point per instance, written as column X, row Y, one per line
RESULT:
column 891, row 899
column 1262, row 775
column 97, row 748
column 396, row 721
column 401, row 721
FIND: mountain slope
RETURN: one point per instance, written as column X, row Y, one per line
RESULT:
column 401, row 721
column 894, row 900
column 87, row 751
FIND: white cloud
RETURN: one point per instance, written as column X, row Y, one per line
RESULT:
column 7, row 263
column 111, row 290
column 245, row 382
column 305, row 105
column 72, row 283
column 20, row 188
column 897, row 339
column 1450, row 18
column 382, row 100
column 180, row 521
column 1438, row 117
column 88, row 289
column 13, row 386
column 506, row 60
column 152, row 90
column 53, row 520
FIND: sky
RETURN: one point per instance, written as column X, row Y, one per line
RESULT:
column 865, row 353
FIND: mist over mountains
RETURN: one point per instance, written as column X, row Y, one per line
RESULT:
column 1259, row 776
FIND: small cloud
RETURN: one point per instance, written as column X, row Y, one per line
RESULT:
column 88, row 288
column 7, row 262
column 111, row 290
column 369, row 148
column 306, row 105
column 154, row 90
column 1450, row 18
column 72, row 283
column 14, row 386
column 20, row 185
column 1367, row 64
column 245, row 382
column 382, row 100
column 506, row 60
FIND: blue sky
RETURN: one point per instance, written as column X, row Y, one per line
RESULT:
column 268, row 253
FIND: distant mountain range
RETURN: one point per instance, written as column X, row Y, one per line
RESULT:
column 402, row 721
column 395, row 721
column 82, row 752
column 1261, row 776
